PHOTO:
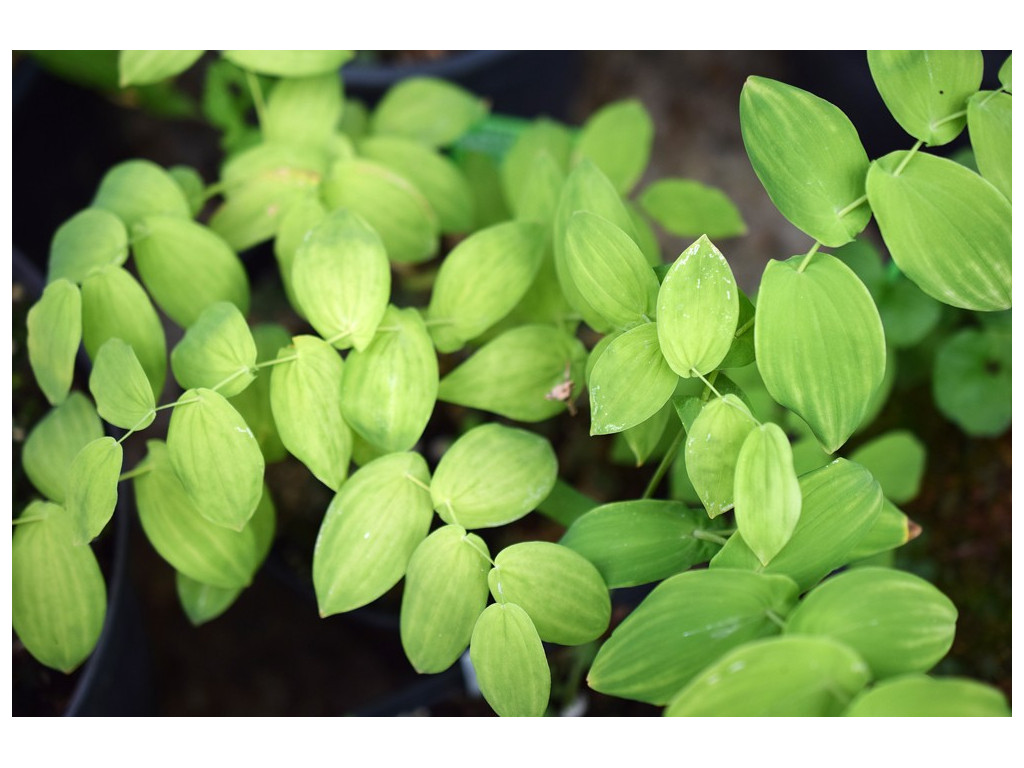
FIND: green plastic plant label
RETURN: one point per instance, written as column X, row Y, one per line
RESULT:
column 372, row 527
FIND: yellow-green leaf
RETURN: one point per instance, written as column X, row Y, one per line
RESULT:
column 896, row 459
column 138, row 188
column 54, row 325
column 253, row 403
column 924, row 696
column 617, row 139
column 55, row 441
column 428, row 110
column 148, row 67
column 289, row 63
column 119, row 385
column 990, row 124
column 713, row 446
column 303, row 110
column 217, row 351
column 508, row 658
column 541, row 149
column 92, row 488
column 300, row 218
column 91, row 239
column 687, row 208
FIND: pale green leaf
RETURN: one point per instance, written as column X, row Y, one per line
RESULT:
column 92, row 488
column 303, row 110
column 148, row 67
column 253, row 403
column 896, row 460
column 54, row 325
column 91, row 239
column 289, row 63
column 891, row 529
column 55, row 441
column 540, row 151
column 687, row 208
column 192, row 185
column 203, row 602
column 713, row 445
column 300, row 218
column 138, row 188
column 217, row 351
column 119, row 385
column 508, row 658
column 617, row 139
column 990, row 124
column 428, row 110
column 972, row 381
column 922, row 696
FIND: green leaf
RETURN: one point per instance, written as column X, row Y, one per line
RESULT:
column 372, row 527
column 217, row 351
column 58, row 597
column 644, row 438
column 119, row 385
column 203, row 602
column 908, row 313
column 522, row 374
column 115, row 306
column 436, row 177
column 493, row 475
column 342, row 280
column 617, row 139
column 389, row 203
column 972, row 381
column 508, row 658
column 698, row 309
column 481, row 280
column 541, row 150
column 303, row 110
column 191, row 184
column 809, row 158
column 923, row 696
column 896, row 460
column 300, row 218
column 891, row 529
column 428, row 110
column 841, row 502
column 485, row 180
column 186, row 267
column 91, row 239
column 767, row 493
column 253, row 403
column 216, row 457
column 135, row 189
column 776, row 677
column 866, row 262
column 896, row 621
column 390, row 387
column 645, row 236
column 92, row 488
column 713, row 445
column 586, row 189
column 924, row 89
column 946, row 228
column 563, row 594
column 445, row 592
column 53, row 443
column 687, row 622
column 630, row 381
column 688, row 208
column 196, row 547
column 1005, row 74
column 990, row 124
column 741, row 352
column 148, row 67
column 820, row 345
column 609, row 272
column 289, row 63
column 305, row 399
column 54, row 325
column 638, row 542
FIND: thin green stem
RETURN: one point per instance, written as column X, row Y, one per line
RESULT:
column 852, row 206
column 706, row 394
column 164, row 407
column 29, row 519
column 991, row 95
column 707, row 383
column 257, row 98
column 910, row 154
column 338, row 337
column 231, row 378
column 214, row 189
column 709, row 536
column 666, row 462
column 451, row 513
column 140, row 469
column 743, row 328
column 775, row 618
column 949, row 118
column 482, row 552
column 809, row 256
column 276, row 361
column 417, row 481
column 439, row 321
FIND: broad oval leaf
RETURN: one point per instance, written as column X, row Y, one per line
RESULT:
column 89, row 240
column 181, row 535
column 897, row 622
column 119, row 385
column 896, row 460
column 389, row 203
column 444, row 594
column 390, row 387
column 638, row 542
column 528, row 373
column 687, row 622
column 55, row 441
column 713, row 446
column 617, row 138
column 698, row 309
column 561, row 591
column 809, row 158
column 218, row 351
column 203, row 602
column 216, row 457
column 776, row 677
column 990, row 124
column 481, row 280
column 253, row 403
column 908, row 313
column 192, row 185
column 437, row 178
column 924, row 696
column 508, row 658
column 186, row 267
column 609, row 271
column 300, row 218
column 925, row 89
column 138, row 188
column 767, row 493
column 92, row 488
column 54, row 325
column 493, row 475
column 645, row 438
column 58, row 597
column 372, row 527
column 543, row 143
column 946, row 227
column 428, row 110
column 303, row 110
column 819, row 344
column 630, row 381
column 305, row 399
column 149, row 67
column 891, row 529
column 115, row 306
column 289, row 63
column 841, row 502
column 972, row 380
column 687, row 208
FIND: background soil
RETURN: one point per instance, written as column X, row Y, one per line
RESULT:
column 271, row 654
